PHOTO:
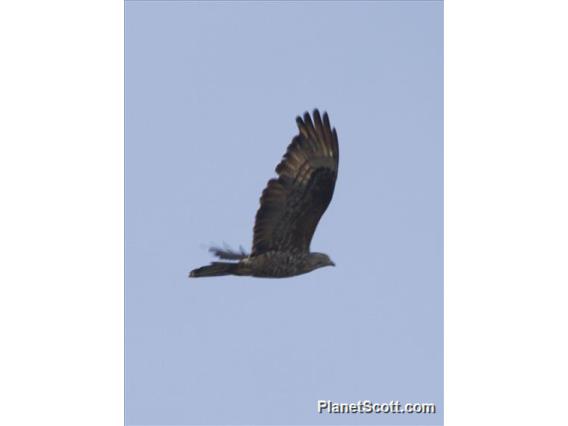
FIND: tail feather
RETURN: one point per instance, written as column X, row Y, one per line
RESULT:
column 215, row 269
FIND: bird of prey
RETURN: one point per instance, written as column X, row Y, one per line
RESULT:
column 290, row 209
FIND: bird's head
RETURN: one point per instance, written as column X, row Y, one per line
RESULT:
column 319, row 260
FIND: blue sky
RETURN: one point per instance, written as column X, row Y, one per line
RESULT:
column 212, row 91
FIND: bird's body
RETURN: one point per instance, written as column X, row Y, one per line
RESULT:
column 272, row 264
column 290, row 209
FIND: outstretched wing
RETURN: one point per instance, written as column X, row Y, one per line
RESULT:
column 292, row 205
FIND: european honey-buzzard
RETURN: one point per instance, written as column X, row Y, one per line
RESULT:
column 290, row 209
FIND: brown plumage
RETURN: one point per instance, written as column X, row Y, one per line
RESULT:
column 291, row 207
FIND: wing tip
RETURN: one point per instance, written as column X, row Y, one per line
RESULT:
column 318, row 131
column 308, row 119
column 305, row 119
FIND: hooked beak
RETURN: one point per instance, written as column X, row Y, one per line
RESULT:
column 331, row 263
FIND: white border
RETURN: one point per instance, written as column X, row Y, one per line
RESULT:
column 61, row 172
column 506, row 182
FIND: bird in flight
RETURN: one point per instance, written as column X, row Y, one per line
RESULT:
column 290, row 209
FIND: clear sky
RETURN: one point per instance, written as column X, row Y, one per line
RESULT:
column 212, row 91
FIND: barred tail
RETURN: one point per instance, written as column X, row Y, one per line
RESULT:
column 215, row 269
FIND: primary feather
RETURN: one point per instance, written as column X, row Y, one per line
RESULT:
column 228, row 253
